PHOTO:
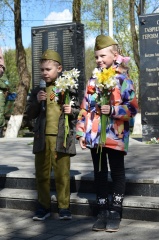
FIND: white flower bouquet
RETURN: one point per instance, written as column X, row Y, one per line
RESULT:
column 66, row 82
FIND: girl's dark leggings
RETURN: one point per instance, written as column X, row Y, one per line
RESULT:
column 115, row 159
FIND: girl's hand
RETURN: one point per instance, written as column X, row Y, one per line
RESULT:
column 82, row 142
column 105, row 109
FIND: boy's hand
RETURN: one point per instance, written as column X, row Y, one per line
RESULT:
column 67, row 109
column 41, row 96
column 105, row 109
column 82, row 142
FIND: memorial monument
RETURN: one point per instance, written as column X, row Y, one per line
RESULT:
column 149, row 75
column 68, row 40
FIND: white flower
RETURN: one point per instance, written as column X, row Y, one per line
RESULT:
column 95, row 71
column 75, row 73
column 100, row 86
column 72, row 102
column 104, row 78
column 92, row 83
column 71, row 83
column 68, row 80
column 60, row 84
column 56, row 99
column 154, row 140
column 72, row 73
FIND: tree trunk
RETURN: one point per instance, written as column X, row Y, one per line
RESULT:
column 15, row 121
column 140, row 10
column 134, row 34
column 76, row 11
column 135, row 41
column 102, row 16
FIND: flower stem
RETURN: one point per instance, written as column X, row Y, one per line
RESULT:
column 67, row 101
column 104, row 122
column 104, row 119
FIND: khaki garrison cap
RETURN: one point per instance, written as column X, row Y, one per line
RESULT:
column 103, row 41
column 51, row 55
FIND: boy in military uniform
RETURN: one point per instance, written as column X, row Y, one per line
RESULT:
column 49, row 138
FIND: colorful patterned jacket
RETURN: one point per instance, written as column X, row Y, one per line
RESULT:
column 123, row 107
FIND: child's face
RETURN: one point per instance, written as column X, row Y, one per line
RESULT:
column 50, row 70
column 105, row 57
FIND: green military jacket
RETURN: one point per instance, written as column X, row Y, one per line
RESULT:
column 34, row 111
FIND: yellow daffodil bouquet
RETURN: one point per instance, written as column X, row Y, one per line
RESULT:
column 105, row 81
column 66, row 82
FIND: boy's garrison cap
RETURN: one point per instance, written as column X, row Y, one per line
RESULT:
column 103, row 41
column 51, row 55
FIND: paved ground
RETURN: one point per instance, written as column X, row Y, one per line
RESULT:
column 16, row 158
column 141, row 163
column 17, row 224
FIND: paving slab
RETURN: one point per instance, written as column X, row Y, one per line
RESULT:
column 18, row 224
column 141, row 162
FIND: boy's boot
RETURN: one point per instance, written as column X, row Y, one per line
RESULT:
column 100, row 224
column 115, row 212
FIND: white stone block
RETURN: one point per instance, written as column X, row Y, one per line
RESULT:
column 137, row 130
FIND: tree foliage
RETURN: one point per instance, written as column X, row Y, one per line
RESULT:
column 125, row 26
column 94, row 15
column 11, row 73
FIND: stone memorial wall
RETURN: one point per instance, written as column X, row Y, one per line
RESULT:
column 68, row 40
column 149, row 75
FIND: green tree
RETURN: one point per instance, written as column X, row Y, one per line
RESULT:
column 24, row 76
column 90, row 62
column 95, row 16
column 125, row 26
column 11, row 72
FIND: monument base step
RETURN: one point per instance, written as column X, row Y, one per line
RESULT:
column 134, row 207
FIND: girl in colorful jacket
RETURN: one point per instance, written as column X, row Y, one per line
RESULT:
column 120, row 108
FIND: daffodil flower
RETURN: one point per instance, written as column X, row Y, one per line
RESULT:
column 105, row 82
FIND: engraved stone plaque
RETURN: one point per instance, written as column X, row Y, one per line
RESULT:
column 68, row 40
column 149, row 74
